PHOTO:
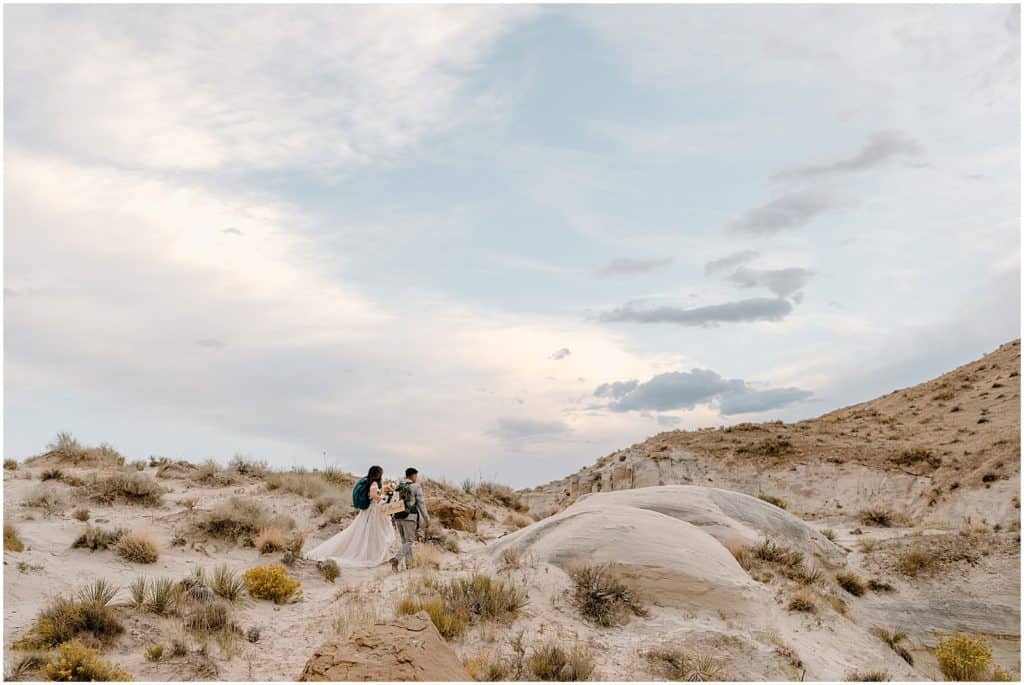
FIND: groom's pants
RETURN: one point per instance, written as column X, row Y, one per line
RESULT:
column 407, row 534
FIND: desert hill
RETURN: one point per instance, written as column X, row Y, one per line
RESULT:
column 927, row 451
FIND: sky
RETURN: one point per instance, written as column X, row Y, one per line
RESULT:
column 494, row 241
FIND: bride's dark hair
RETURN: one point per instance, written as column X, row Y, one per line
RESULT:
column 375, row 475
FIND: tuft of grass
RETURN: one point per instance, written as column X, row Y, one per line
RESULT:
column 867, row 546
column 270, row 582
column 138, row 547
column 678, row 666
column 26, row 667
column 777, row 554
column 773, row 500
column 427, row 556
column 137, row 589
column 154, row 652
column 829, row 534
column 76, row 662
column 96, row 538
column 602, row 597
column 551, row 662
column 879, row 676
column 124, row 486
column 451, row 622
column 207, row 618
column 851, row 582
column 81, row 514
column 44, row 498
column 510, row 558
column 500, row 494
column 210, row 473
column 270, row 539
column 804, row 574
column 10, row 464
column 355, row 614
column 878, row 585
column 517, row 520
column 240, row 519
column 98, row 593
column 329, row 570
column 51, row 474
column 963, row 658
column 164, row 597
column 227, row 583
column 915, row 561
column 12, row 543
column 66, row 450
column 454, row 602
column 894, row 638
column 877, row 517
column 251, row 468
column 486, row 667
column 803, row 601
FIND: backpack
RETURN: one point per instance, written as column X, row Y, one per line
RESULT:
column 404, row 490
column 361, row 494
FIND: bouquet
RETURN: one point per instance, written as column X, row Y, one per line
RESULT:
column 390, row 500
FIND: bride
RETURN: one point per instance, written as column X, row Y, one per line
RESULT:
column 368, row 539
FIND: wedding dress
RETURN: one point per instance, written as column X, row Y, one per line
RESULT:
column 365, row 542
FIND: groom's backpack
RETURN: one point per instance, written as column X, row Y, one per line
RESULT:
column 361, row 494
column 404, row 490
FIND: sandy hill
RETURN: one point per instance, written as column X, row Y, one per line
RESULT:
column 947, row 450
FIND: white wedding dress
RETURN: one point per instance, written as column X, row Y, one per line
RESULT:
column 366, row 542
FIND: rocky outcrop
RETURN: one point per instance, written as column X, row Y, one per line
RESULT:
column 454, row 515
column 406, row 649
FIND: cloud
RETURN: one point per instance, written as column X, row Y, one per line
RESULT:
column 519, row 430
column 231, row 231
column 10, row 292
column 626, row 266
column 754, row 309
column 617, row 389
column 729, row 261
column 561, row 354
column 789, row 210
column 687, row 389
column 668, row 420
column 878, row 149
column 782, row 282
column 210, row 343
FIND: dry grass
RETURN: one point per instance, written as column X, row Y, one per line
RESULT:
column 451, row 622
column 499, row 494
column 878, row 517
column 851, row 582
column 81, row 515
column 879, row 676
column 270, row 539
column 138, row 547
column 355, row 614
column 427, row 556
column 66, row 450
column 271, row 582
column 240, row 519
column 97, row 538
column 773, row 500
column 803, row 600
column 487, row 667
column 124, row 486
column 88, row 615
column 45, row 498
column 516, row 520
column 12, row 543
column 10, row 464
column 552, row 662
column 675, row 665
column 894, row 638
column 602, row 597
column 453, row 603
column 76, row 662
column 207, row 617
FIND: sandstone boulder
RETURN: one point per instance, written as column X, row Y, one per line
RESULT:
column 406, row 649
column 454, row 515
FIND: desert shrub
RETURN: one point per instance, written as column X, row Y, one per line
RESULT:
column 81, row 514
column 510, row 558
column 500, row 494
column 138, row 547
column 66, row 450
column 10, row 464
column 26, row 666
column 551, row 661
column 769, row 447
column 207, row 617
column 878, row 517
column 829, row 534
column 329, row 570
column 916, row 455
column 51, row 474
column 878, row 585
column 77, row 663
column 773, row 500
column 124, row 486
column 775, row 553
column 867, row 676
column 270, row 582
column 227, row 583
column 163, row 597
column 305, row 484
column 894, row 638
column 210, row 473
column 517, row 521
column 97, row 538
column 963, row 658
column 678, row 666
column 602, row 597
column 802, row 601
column 486, row 667
column 66, row 618
column 851, row 582
column 247, row 467
column 12, row 543
column 44, row 498
column 293, row 549
column 269, row 539
column 195, row 588
column 439, row 537
column 915, row 561
column 154, row 652
column 451, row 622
column 239, row 519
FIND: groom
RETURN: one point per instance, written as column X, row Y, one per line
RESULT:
column 409, row 520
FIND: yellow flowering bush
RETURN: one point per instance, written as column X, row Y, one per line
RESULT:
column 77, row 663
column 270, row 582
column 963, row 658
